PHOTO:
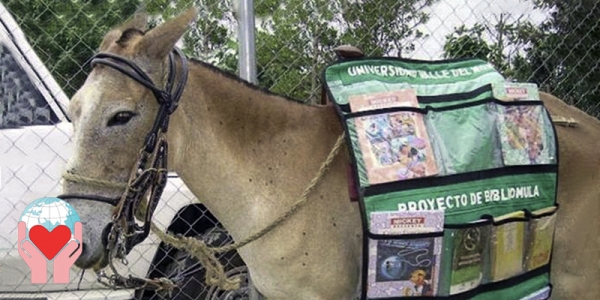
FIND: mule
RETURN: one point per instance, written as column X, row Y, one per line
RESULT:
column 248, row 155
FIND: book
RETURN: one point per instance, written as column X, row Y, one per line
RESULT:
column 394, row 146
column 508, row 246
column 522, row 135
column 540, row 235
column 469, row 248
column 405, row 266
column 515, row 91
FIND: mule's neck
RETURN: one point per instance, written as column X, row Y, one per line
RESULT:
column 246, row 153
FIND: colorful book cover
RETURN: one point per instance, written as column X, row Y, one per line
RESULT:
column 394, row 146
column 508, row 247
column 540, row 237
column 405, row 267
column 515, row 91
column 469, row 247
column 522, row 135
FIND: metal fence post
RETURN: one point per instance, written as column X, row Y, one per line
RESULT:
column 247, row 64
column 247, row 59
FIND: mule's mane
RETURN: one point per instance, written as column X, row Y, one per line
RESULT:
column 131, row 32
column 235, row 78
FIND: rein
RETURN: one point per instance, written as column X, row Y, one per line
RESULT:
column 146, row 181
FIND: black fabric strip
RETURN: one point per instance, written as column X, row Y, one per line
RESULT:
column 487, row 287
column 484, row 221
column 438, row 98
column 385, row 111
column 441, row 109
column 384, row 188
column 456, row 96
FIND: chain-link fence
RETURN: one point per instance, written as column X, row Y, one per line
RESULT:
column 555, row 44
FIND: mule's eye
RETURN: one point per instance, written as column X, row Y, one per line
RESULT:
column 120, row 118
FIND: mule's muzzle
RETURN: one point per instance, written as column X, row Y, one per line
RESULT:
column 90, row 258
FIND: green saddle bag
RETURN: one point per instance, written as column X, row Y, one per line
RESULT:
column 456, row 171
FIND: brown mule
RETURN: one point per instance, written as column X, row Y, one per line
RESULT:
column 248, row 155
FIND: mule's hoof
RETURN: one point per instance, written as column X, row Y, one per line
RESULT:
column 348, row 52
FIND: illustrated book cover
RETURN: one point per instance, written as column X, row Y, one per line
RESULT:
column 508, row 247
column 409, row 266
column 469, row 247
column 539, row 238
column 522, row 135
column 394, row 146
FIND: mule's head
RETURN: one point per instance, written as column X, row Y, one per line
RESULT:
column 111, row 115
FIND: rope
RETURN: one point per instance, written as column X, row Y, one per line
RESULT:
column 93, row 181
column 215, row 274
column 68, row 176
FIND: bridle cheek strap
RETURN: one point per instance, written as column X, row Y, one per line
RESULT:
column 149, row 177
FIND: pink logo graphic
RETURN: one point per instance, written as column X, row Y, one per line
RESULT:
column 50, row 230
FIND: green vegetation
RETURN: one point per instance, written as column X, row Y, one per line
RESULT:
column 294, row 38
column 561, row 55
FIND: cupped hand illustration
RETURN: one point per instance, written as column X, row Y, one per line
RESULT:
column 34, row 258
column 67, row 256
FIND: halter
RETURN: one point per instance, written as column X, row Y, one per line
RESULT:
column 149, row 177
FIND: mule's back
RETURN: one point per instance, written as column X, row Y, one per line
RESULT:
column 575, row 265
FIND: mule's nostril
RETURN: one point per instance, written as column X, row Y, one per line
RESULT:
column 105, row 234
column 83, row 248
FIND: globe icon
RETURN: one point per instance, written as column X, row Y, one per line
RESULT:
column 50, row 212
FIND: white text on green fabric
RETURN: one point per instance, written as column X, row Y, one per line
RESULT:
column 396, row 71
column 471, row 199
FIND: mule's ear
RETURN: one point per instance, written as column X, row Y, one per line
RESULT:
column 158, row 42
column 139, row 21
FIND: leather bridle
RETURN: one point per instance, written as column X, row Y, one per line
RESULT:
column 149, row 177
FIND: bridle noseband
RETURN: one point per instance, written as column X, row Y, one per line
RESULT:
column 149, row 177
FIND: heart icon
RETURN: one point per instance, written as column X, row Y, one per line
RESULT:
column 50, row 243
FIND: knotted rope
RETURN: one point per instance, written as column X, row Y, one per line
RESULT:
column 215, row 274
